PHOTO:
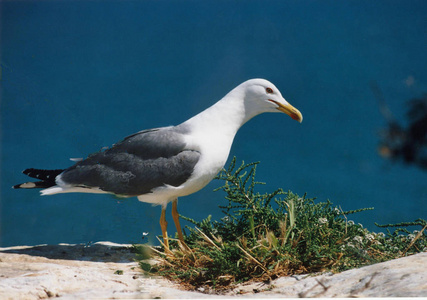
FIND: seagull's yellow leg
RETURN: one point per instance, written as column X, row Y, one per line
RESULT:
column 164, row 225
column 175, row 217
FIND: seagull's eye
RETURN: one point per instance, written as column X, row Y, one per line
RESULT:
column 269, row 90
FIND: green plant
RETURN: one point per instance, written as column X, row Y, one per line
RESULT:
column 263, row 236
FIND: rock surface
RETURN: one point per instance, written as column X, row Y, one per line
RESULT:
column 108, row 270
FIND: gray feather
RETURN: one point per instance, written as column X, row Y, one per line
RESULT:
column 137, row 165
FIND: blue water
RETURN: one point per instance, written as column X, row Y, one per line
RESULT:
column 80, row 75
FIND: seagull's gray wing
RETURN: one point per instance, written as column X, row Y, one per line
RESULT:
column 136, row 165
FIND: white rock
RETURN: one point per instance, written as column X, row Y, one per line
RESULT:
column 87, row 272
column 403, row 277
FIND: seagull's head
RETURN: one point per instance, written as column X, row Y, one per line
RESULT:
column 261, row 96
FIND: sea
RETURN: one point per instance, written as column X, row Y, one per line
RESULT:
column 77, row 76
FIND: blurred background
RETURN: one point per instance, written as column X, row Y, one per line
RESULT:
column 80, row 75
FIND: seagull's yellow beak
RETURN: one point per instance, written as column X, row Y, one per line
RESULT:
column 289, row 110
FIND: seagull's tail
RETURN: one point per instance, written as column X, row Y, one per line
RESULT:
column 47, row 178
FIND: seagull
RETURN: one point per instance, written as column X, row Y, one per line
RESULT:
column 159, row 165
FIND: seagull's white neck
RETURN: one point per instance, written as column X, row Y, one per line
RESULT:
column 224, row 117
column 212, row 132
